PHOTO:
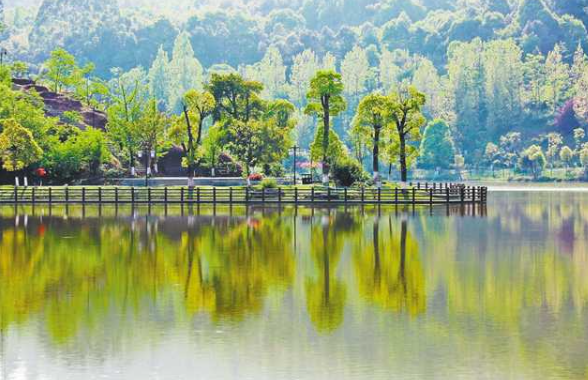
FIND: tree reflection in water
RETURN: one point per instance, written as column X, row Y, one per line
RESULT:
column 116, row 272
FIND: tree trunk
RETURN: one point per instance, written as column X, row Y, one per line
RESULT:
column 376, row 154
column 326, row 133
column 190, row 149
column 403, row 165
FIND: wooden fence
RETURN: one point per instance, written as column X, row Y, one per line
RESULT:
column 419, row 194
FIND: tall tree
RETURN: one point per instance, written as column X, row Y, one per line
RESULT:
column 355, row 71
column 325, row 101
column 158, row 79
column 185, row 71
column 389, row 72
column 466, row 79
column 302, row 70
column 271, row 72
column 405, row 111
column 151, row 128
column 503, row 69
column 61, row 70
column 558, row 77
column 372, row 119
column 127, row 101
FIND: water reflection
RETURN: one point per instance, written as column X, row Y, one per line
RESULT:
column 507, row 284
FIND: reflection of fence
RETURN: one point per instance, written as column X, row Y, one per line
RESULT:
column 423, row 194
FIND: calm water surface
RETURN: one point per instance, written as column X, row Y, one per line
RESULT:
column 496, row 293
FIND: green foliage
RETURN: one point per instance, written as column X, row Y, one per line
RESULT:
column 533, row 159
column 407, row 118
column 372, row 124
column 566, row 155
column 268, row 183
column 325, row 100
column 347, row 172
column 81, row 155
column 18, row 148
column 437, row 149
column 61, row 70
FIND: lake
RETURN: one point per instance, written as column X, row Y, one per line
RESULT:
column 234, row 293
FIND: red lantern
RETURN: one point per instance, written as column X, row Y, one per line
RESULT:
column 41, row 172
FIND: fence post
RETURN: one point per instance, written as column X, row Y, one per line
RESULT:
column 312, row 195
column 66, row 194
column 214, row 195
column 231, row 195
column 413, row 196
column 132, row 194
column 247, row 194
column 362, row 195
column 182, row 195
column 447, row 194
column 462, row 194
column 165, row 195
column 431, row 197
column 396, row 195
column 50, row 195
column 83, row 195
column 100, row 194
column 263, row 195
column 115, row 195
column 279, row 195
column 379, row 195
column 198, row 195
column 345, row 195
column 329, row 194
column 296, row 195
column 149, row 195
column 33, row 195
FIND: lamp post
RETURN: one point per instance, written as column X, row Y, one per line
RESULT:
column 295, row 148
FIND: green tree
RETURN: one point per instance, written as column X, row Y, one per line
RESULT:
column 20, row 69
column 278, row 126
column 566, row 155
column 198, row 106
column 437, row 148
column 245, row 142
column 534, row 160
column 124, row 114
column 61, row 70
column 372, row 119
column 151, row 128
column 212, row 146
column 302, row 70
column 325, row 101
column 185, row 71
column 158, row 79
column 18, row 148
column 558, row 77
column 407, row 118
column 235, row 98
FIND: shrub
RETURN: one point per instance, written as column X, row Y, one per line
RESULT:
column 347, row 172
column 269, row 184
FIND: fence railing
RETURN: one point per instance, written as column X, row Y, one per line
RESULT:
column 416, row 194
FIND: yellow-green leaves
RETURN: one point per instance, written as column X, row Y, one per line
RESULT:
column 325, row 94
column 18, row 148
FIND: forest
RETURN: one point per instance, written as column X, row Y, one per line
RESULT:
column 493, row 85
